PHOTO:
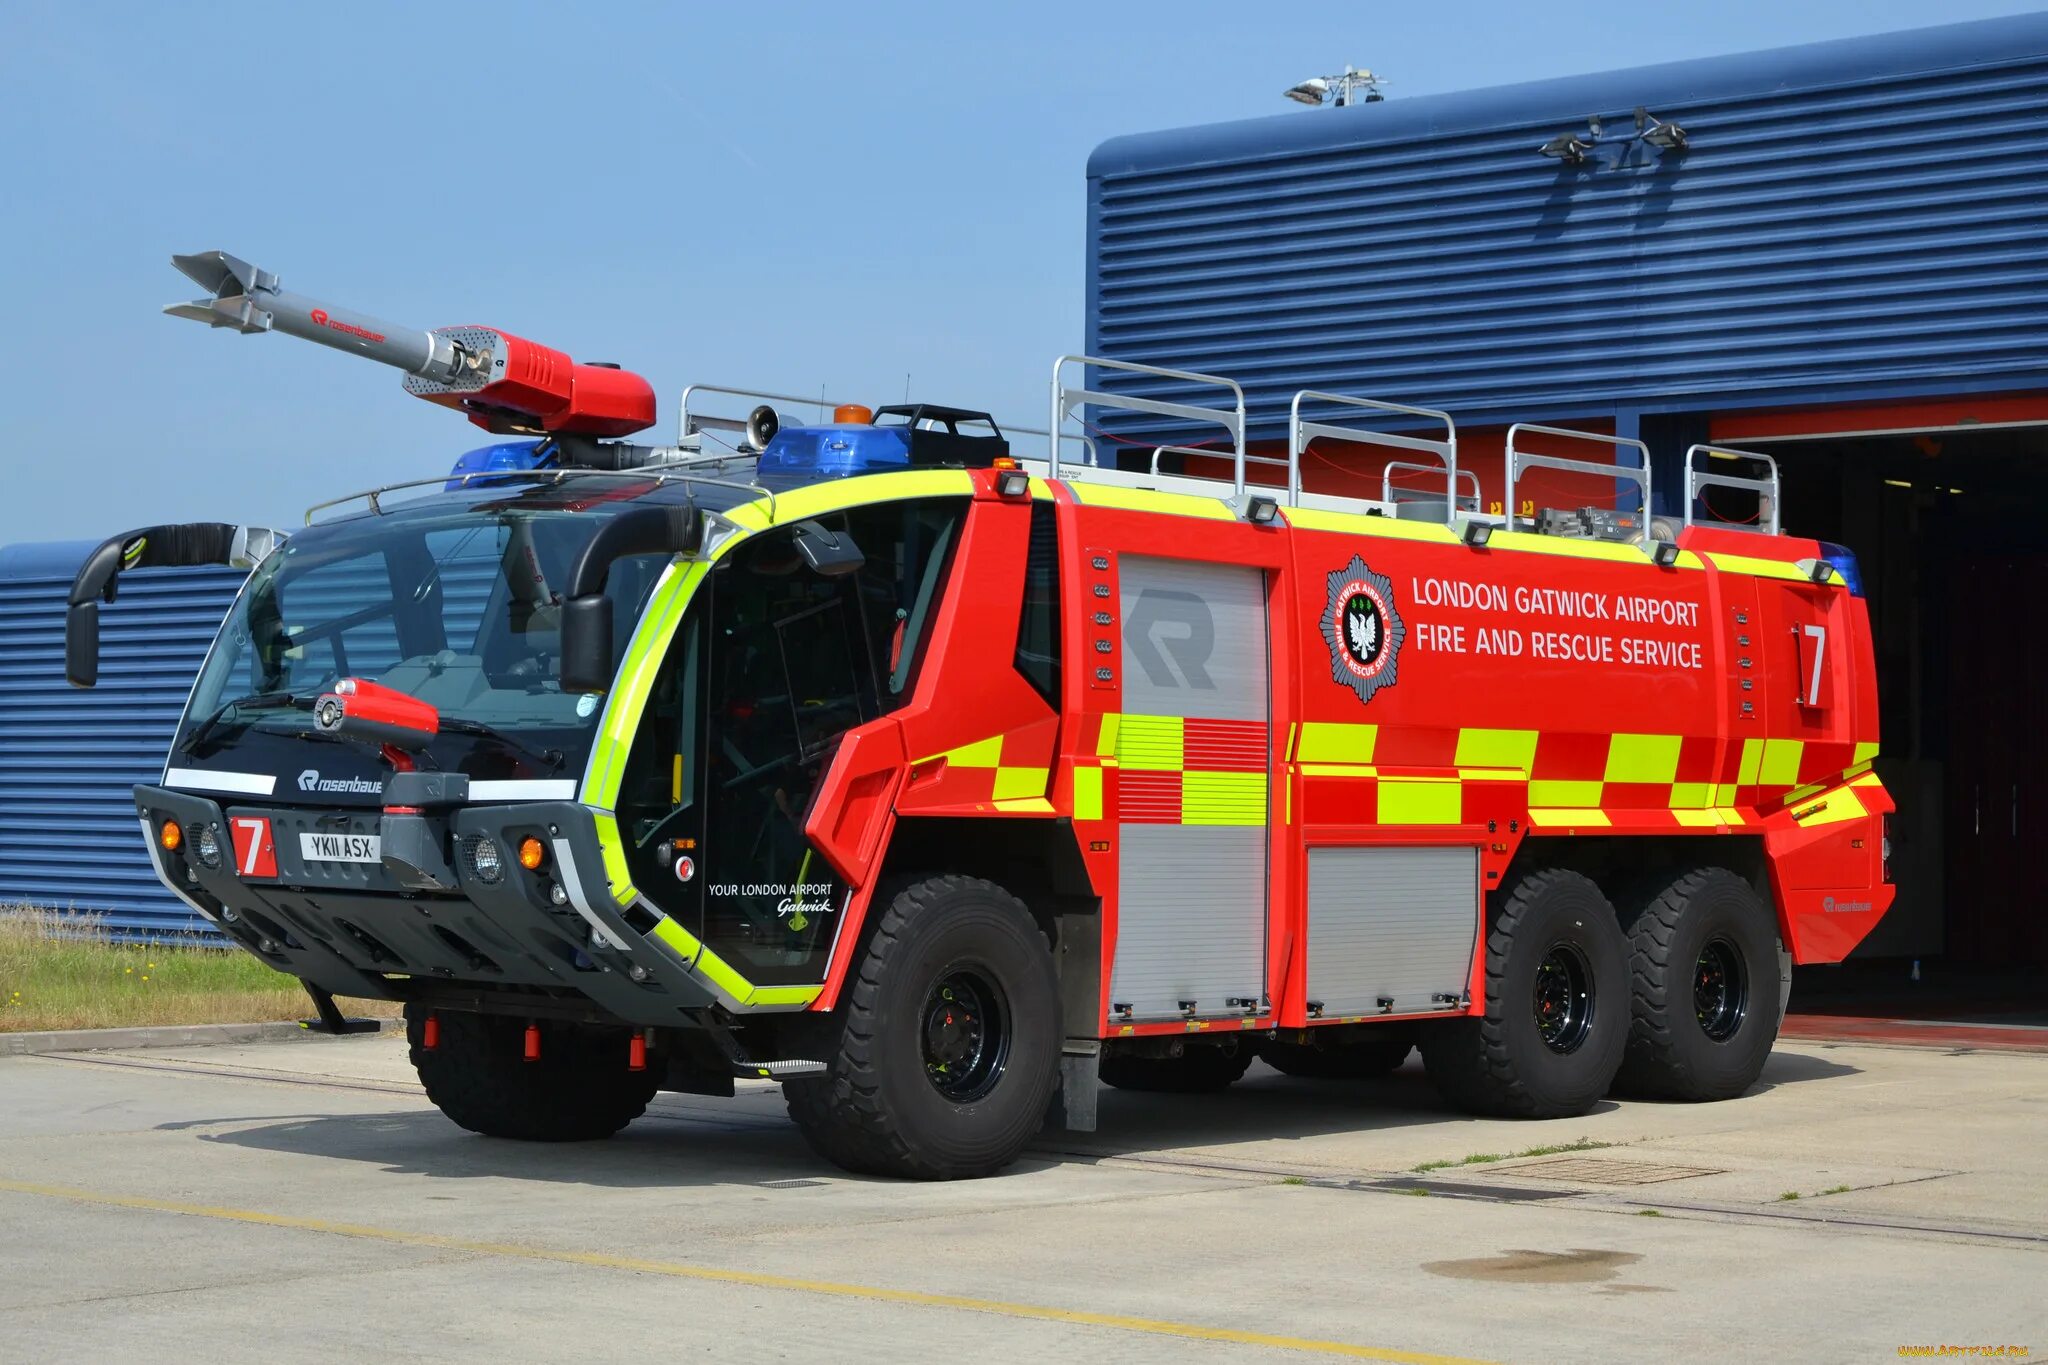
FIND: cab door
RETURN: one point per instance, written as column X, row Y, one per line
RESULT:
column 773, row 664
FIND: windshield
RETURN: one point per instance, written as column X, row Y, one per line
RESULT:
column 458, row 605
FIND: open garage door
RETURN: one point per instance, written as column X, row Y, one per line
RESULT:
column 1950, row 523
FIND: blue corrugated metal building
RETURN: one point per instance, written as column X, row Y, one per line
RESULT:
column 68, row 833
column 1860, row 219
column 1845, row 265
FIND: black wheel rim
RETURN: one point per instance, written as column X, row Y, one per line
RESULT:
column 965, row 1035
column 1563, row 999
column 1720, row 990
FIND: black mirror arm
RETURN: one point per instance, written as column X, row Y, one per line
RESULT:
column 98, row 580
column 642, row 531
column 587, row 613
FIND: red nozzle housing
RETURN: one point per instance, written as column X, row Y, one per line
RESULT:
column 523, row 386
column 378, row 715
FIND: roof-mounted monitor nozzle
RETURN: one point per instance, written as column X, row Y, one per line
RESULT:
column 505, row 383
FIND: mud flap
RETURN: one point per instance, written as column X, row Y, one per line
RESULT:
column 1073, row 1100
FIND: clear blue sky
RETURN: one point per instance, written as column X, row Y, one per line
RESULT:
column 788, row 196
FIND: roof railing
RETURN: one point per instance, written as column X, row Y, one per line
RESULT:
column 1698, row 480
column 1392, row 495
column 654, row 474
column 1066, row 400
column 1301, row 431
column 693, row 423
column 1205, row 454
column 1519, row 459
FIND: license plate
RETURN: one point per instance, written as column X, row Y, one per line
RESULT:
column 341, row 848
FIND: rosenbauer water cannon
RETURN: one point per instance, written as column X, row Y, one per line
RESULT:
column 506, row 384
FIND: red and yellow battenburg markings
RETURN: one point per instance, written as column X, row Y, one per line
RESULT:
column 1564, row 779
column 1006, row 772
column 1176, row 770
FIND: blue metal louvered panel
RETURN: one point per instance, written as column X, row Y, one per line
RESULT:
column 1858, row 219
column 68, row 833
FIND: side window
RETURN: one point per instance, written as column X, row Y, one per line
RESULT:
column 908, row 546
column 658, row 790
column 1038, row 628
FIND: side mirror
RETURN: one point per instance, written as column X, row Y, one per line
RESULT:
column 587, row 643
column 82, row 644
column 587, row 612
column 185, row 545
column 830, row 553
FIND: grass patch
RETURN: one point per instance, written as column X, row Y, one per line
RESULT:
column 1417, row 1189
column 1835, row 1189
column 1294, row 1180
column 64, row 971
column 1649, row 1213
column 1483, row 1158
column 1788, row 1196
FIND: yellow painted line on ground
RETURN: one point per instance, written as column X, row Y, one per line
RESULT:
column 715, row 1275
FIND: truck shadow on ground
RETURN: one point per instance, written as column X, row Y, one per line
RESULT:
column 692, row 1140
column 1267, row 1107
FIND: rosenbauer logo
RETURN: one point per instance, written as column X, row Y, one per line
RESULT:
column 311, row 781
column 321, row 319
column 1363, row 629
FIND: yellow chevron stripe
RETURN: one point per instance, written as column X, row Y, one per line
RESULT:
column 1087, row 793
column 1149, row 743
column 1012, row 783
column 1208, row 798
column 1564, row 794
column 1421, row 801
column 1336, row 742
column 1780, row 766
column 1643, row 758
column 1497, row 749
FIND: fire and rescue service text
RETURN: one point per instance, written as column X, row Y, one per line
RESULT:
column 1578, row 625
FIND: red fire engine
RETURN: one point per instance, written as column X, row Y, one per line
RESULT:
column 936, row 782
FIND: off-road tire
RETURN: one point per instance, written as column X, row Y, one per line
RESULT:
column 1498, row 1063
column 577, row 1090
column 1671, row 1054
column 1203, row 1069
column 1359, row 1060
column 877, row 1110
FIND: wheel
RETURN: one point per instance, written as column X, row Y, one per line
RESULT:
column 1358, row 1060
column 1703, row 959
column 576, row 1090
column 1203, row 1068
column 942, row 1057
column 1556, row 1019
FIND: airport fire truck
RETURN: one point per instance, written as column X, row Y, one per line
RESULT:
column 938, row 781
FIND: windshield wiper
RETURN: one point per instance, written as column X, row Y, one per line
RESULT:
column 255, row 701
column 551, row 758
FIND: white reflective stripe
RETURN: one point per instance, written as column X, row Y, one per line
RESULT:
column 149, row 842
column 561, row 789
column 573, row 884
column 209, row 780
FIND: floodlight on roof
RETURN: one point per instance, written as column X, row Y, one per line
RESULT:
column 1350, row 86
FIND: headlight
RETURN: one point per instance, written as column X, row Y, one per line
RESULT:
column 206, row 846
column 485, row 861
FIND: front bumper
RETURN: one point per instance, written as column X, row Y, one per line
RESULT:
column 353, row 929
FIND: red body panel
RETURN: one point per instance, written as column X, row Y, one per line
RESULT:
column 1534, row 689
